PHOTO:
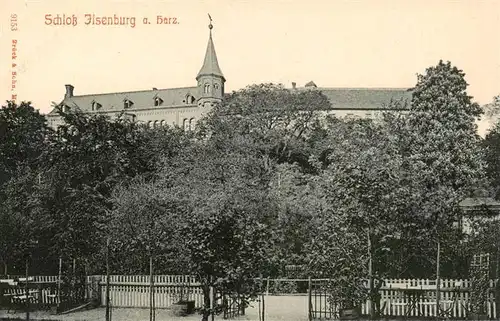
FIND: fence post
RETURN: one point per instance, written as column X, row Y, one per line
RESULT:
column 264, row 307
column 212, row 300
column 309, row 309
column 59, row 284
column 108, row 315
column 438, row 280
column 27, row 292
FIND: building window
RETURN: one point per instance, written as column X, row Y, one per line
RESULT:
column 162, row 123
column 206, row 89
column 127, row 103
column 155, row 124
column 158, row 101
column 149, row 124
column 189, row 99
column 191, row 124
column 216, row 86
column 185, row 124
column 95, row 106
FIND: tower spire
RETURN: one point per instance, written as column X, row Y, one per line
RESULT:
column 210, row 64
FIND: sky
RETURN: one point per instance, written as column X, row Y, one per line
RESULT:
column 364, row 43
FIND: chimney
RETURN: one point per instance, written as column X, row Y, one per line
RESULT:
column 69, row 91
column 294, row 85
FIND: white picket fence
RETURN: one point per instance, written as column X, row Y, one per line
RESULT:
column 454, row 298
column 134, row 290
column 42, row 295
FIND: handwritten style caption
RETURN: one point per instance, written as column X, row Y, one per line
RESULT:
column 13, row 28
column 91, row 19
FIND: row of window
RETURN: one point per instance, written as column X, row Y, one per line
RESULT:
column 127, row 103
column 187, row 124
column 206, row 88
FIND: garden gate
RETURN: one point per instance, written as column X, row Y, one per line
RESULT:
column 230, row 305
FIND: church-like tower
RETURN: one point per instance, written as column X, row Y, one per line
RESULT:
column 210, row 78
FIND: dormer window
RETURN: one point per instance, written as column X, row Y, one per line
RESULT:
column 95, row 106
column 189, row 99
column 158, row 101
column 127, row 103
column 65, row 108
column 206, row 89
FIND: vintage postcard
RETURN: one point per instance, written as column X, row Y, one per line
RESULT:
column 258, row 160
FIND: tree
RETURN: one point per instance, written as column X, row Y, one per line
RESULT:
column 279, row 126
column 493, row 109
column 279, row 122
column 22, row 140
column 225, row 210
column 360, row 173
column 443, row 160
column 491, row 147
column 144, row 224
column 86, row 158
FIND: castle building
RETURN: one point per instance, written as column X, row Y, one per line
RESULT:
column 184, row 106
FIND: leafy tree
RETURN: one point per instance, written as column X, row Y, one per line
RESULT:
column 22, row 140
column 493, row 109
column 225, row 208
column 443, row 159
column 491, row 147
column 359, row 179
column 144, row 224
column 279, row 122
column 86, row 158
column 22, row 134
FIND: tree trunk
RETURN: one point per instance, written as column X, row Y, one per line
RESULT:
column 207, row 307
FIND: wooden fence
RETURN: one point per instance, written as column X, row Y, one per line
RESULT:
column 395, row 295
column 408, row 298
column 134, row 290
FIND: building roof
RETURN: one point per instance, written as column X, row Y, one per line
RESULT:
column 210, row 64
column 140, row 99
column 362, row 98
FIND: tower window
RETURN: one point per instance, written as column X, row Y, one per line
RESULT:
column 127, row 103
column 216, row 86
column 158, row 101
column 206, row 89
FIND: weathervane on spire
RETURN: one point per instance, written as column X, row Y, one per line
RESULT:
column 210, row 26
